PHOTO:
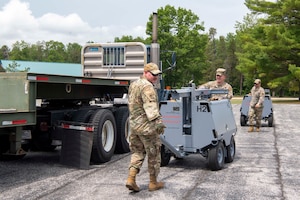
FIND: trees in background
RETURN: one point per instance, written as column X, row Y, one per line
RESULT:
column 50, row 51
column 269, row 43
column 180, row 32
column 266, row 45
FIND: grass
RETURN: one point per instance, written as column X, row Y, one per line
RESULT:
column 276, row 100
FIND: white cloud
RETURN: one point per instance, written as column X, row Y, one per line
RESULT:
column 102, row 21
column 19, row 24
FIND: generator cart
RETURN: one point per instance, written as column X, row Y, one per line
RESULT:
column 194, row 124
column 267, row 114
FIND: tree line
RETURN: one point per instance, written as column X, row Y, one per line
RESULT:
column 266, row 46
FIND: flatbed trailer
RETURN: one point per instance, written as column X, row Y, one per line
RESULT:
column 35, row 109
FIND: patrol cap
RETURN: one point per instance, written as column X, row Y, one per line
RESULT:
column 153, row 68
column 257, row 81
column 220, row 71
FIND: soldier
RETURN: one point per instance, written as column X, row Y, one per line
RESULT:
column 219, row 83
column 1, row 68
column 256, row 105
column 146, row 126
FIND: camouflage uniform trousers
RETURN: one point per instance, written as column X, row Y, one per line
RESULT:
column 255, row 115
column 142, row 145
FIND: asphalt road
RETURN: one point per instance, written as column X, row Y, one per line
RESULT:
column 266, row 166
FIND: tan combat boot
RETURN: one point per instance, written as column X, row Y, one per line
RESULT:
column 257, row 129
column 154, row 185
column 130, row 184
column 251, row 129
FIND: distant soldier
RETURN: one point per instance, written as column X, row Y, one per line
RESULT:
column 146, row 126
column 1, row 68
column 256, row 105
column 219, row 83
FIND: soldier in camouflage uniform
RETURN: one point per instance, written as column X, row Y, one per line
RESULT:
column 219, row 83
column 256, row 105
column 146, row 126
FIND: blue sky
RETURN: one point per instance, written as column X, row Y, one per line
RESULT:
column 100, row 20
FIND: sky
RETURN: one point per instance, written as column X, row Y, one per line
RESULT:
column 80, row 21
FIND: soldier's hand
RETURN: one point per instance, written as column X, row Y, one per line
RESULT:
column 214, row 98
column 160, row 127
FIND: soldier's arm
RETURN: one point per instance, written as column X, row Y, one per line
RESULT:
column 230, row 92
column 261, row 97
column 150, row 103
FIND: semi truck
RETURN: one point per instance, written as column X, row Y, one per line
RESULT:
column 36, row 108
column 86, row 115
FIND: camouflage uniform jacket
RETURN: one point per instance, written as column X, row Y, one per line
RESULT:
column 143, row 107
column 258, row 96
column 214, row 85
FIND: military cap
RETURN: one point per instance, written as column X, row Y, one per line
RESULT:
column 220, row 71
column 153, row 68
column 257, row 81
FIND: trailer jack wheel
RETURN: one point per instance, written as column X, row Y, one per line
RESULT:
column 216, row 157
column 243, row 120
column 165, row 156
column 270, row 120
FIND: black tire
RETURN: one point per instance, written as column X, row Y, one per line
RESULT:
column 104, row 136
column 123, row 131
column 165, row 156
column 243, row 120
column 270, row 120
column 230, row 151
column 216, row 157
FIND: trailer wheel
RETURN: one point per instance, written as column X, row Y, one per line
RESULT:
column 104, row 136
column 123, row 131
column 165, row 156
column 270, row 120
column 216, row 157
column 243, row 120
column 230, row 151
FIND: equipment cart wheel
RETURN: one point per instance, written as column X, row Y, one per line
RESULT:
column 165, row 156
column 216, row 157
column 105, row 134
column 230, row 151
column 270, row 120
column 243, row 120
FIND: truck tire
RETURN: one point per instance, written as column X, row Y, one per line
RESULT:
column 243, row 120
column 165, row 156
column 83, row 116
column 216, row 157
column 270, row 120
column 230, row 151
column 123, row 131
column 104, row 136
